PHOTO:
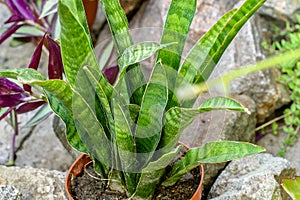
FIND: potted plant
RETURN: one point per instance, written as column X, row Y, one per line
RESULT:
column 131, row 129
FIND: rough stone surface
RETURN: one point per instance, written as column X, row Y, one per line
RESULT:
column 34, row 184
column 253, row 177
column 8, row 192
column 283, row 10
column 37, row 146
column 273, row 144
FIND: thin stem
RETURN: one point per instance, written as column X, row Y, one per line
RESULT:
column 14, row 119
column 272, row 121
column 36, row 25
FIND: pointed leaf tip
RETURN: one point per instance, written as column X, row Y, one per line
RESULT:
column 55, row 65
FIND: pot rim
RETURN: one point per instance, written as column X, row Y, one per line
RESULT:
column 78, row 166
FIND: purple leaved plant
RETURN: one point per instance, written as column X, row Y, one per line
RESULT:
column 18, row 100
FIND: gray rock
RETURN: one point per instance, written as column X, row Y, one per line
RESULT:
column 283, row 10
column 253, row 177
column 4, row 13
column 261, row 86
column 34, row 183
column 37, row 146
column 273, row 143
column 8, row 192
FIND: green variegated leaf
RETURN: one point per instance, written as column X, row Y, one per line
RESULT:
column 211, row 46
column 122, row 39
column 177, row 119
column 126, row 145
column 104, row 92
column 92, row 133
column 118, row 24
column 179, row 18
column 59, row 95
column 152, row 174
column 221, row 103
column 134, row 111
column 76, row 44
column 139, row 52
column 213, row 152
column 26, row 73
column 116, row 116
column 149, row 124
column 200, row 51
column 292, row 187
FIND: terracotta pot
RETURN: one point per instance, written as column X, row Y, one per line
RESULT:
column 90, row 7
column 76, row 169
column 79, row 164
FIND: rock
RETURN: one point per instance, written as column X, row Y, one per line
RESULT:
column 44, row 150
column 34, row 183
column 130, row 6
column 273, row 144
column 284, row 10
column 245, row 49
column 253, row 177
column 8, row 192
column 37, row 146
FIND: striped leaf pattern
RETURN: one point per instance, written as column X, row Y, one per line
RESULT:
column 27, row 74
column 139, row 52
column 152, row 173
column 179, row 19
column 76, row 44
column 122, row 39
column 149, row 124
column 59, row 95
column 177, row 118
column 213, row 44
column 213, row 152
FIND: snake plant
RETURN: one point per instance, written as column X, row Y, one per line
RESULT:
column 131, row 128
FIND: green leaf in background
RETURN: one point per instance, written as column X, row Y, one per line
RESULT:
column 292, row 187
column 212, row 152
column 44, row 112
column 149, row 124
column 177, row 119
column 24, row 31
column 49, row 8
column 152, row 174
column 176, row 28
column 76, row 44
column 25, row 73
column 106, row 54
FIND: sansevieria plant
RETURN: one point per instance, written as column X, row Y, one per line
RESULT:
column 131, row 128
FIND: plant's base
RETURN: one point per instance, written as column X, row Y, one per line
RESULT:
column 86, row 187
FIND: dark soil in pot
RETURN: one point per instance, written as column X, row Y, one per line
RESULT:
column 88, row 186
